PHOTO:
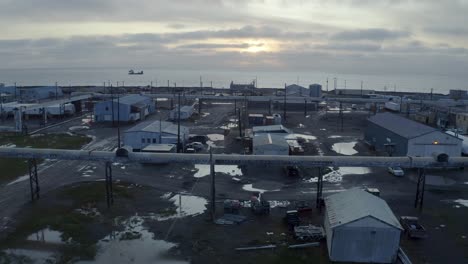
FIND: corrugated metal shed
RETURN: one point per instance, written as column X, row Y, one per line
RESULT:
column 401, row 126
column 354, row 204
column 270, row 129
column 270, row 144
column 360, row 227
column 270, row 139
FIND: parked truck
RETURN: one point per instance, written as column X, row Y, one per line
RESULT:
column 412, row 227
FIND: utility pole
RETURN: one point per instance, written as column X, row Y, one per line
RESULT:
column 118, row 121
column 15, row 91
column 361, row 88
column 112, row 102
column 284, row 104
column 327, row 86
column 239, row 123
column 341, row 115
column 213, row 186
column 432, row 90
column 178, row 125
column 56, row 90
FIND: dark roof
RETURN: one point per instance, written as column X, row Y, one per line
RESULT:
column 400, row 125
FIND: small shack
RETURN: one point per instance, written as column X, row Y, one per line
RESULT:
column 270, row 144
column 186, row 112
column 361, row 227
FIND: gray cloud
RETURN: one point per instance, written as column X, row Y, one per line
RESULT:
column 374, row 34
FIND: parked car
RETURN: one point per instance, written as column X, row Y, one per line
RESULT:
column 198, row 138
column 397, row 171
column 190, row 150
column 197, row 146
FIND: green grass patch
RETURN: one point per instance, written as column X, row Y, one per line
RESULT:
column 13, row 168
column 94, row 192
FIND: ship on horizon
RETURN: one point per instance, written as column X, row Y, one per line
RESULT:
column 132, row 72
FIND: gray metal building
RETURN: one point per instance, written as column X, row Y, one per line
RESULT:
column 405, row 137
column 186, row 112
column 132, row 108
column 270, row 144
column 360, row 227
column 153, row 132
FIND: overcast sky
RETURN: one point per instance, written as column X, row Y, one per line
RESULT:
column 340, row 36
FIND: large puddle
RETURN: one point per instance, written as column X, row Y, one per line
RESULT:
column 336, row 175
column 345, row 148
column 203, row 170
column 184, row 204
column 250, row 188
column 46, row 235
column 134, row 244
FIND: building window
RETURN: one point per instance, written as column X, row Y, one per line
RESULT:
column 148, row 140
column 143, row 140
column 107, row 108
column 154, row 141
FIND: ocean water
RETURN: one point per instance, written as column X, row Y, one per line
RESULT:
column 220, row 79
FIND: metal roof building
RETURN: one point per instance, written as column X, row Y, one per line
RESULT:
column 270, row 144
column 131, row 107
column 153, row 132
column 186, row 112
column 404, row 137
column 361, row 227
column 270, row 129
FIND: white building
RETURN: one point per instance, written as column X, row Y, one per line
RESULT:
column 273, row 129
column 270, row 144
column 153, row 132
column 361, row 227
column 186, row 112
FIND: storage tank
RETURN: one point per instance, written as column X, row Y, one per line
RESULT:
column 315, row 90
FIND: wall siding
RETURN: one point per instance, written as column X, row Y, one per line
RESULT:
column 377, row 137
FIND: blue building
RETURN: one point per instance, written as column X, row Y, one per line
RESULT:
column 128, row 108
column 315, row 90
column 39, row 93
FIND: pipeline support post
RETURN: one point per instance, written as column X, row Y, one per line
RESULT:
column 418, row 202
column 318, row 203
column 305, row 107
column 213, row 187
column 109, row 189
column 33, row 179
column 199, row 105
